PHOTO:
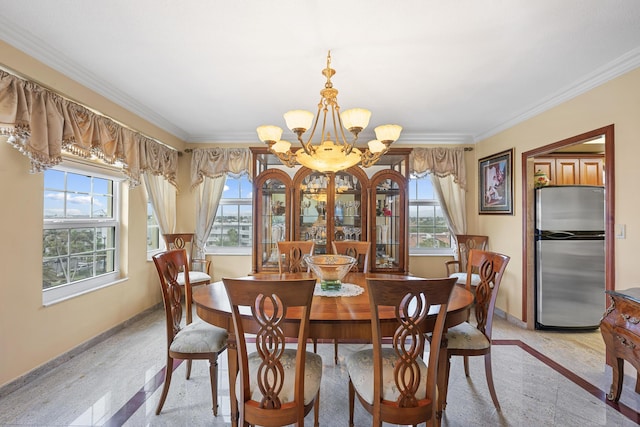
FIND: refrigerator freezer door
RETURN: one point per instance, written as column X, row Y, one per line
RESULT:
column 570, row 208
column 570, row 283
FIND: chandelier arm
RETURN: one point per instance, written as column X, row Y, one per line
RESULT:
column 369, row 158
column 288, row 158
column 308, row 146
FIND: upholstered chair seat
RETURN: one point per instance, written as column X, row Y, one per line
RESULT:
column 199, row 337
column 465, row 336
column 462, row 279
column 194, row 277
column 359, row 367
column 312, row 369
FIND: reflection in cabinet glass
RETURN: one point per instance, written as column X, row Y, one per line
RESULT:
column 388, row 212
column 273, row 201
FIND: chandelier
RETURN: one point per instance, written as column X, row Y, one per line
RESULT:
column 329, row 155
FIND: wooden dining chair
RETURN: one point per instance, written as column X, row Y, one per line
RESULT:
column 474, row 339
column 402, row 389
column 275, row 386
column 458, row 267
column 199, row 273
column 358, row 250
column 354, row 248
column 193, row 340
column 291, row 255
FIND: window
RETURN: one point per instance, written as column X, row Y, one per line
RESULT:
column 428, row 230
column 80, row 232
column 232, row 228
column 154, row 241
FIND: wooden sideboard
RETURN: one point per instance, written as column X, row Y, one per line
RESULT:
column 620, row 328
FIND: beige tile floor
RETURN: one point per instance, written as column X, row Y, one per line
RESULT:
column 542, row 379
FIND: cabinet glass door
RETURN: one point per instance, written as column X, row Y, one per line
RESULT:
column 274, row 203
column 348, row 206
column 387, row 211
column 312, row 215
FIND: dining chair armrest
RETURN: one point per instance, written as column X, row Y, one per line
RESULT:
column 452, row 267
column 198, row 264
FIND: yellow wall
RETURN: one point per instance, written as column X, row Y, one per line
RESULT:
column 30, row 334
column 616, row 102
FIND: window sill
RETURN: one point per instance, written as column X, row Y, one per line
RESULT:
column 53, row 299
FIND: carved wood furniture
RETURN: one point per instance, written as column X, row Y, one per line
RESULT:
column 458, row 268
column 620, row 329
column 467, row 339
column 290, row 256
column 355, row 249
column 355, row 204
column 277, row 386
column 403, row 388
column 198, row 268
column 345, row 318
column 194, row 340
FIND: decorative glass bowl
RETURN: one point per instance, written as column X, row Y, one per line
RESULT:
column 330, row 269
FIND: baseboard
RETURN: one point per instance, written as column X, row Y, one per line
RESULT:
column 509, row 318
column 53, row 363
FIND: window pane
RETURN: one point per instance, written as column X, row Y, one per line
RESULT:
column 74, row 247
column 233, row 225
column 427, row 226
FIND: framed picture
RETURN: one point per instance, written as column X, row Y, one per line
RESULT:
column 496, row 183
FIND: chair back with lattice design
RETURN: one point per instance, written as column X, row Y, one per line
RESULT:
column 169, row 264
column 291, row 256
column 466, row 242
column 354, row 248
column 258, row 308
column 409, row 301
column 186, row 241
column 490, row 267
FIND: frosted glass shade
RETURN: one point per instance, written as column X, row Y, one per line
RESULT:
column 298, row 119
column 269, row 133
column 355, row 118
column 376, row 146
column 388, row 132
column 281, row 146
column 328, row 157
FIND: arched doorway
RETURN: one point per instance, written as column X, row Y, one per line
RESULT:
column 528, row 214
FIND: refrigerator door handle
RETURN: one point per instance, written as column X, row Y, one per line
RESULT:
column 559, row 235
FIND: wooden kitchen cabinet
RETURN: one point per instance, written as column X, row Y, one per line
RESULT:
column 585, row 169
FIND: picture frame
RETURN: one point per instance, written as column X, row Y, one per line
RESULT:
column 495, row 181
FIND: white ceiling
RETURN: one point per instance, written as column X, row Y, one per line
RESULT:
column 447, row 71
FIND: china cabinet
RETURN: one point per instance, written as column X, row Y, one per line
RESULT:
column 271, row 219
column 355, row 204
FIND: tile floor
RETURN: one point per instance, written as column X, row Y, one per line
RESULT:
column 541, row 378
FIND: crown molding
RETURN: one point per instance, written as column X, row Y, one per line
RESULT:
column 621, row 65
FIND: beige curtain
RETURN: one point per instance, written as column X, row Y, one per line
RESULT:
column 41, row 124
column 160, row 167
column 447, row 170
column 211, row 167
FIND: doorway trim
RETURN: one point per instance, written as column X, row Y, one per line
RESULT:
column 528, row 266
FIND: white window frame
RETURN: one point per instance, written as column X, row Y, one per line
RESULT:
column 70, row 290
column 429, row 203
column 232, row 250
column 161, row 243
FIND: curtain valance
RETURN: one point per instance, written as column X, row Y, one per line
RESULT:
column 441, row 162
column 41, row 124
column 158, row 159
column 215, row 162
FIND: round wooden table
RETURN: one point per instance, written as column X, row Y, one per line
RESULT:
column 343, row 318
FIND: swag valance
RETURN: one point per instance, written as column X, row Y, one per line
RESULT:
column 42, row 124
column 441, row 162
column 215, row 162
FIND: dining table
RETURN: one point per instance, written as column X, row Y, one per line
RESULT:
column 346, row 318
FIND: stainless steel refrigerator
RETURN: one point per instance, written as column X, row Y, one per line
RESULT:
column 569, row 256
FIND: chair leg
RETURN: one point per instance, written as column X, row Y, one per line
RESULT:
column 315, row 345
column 168, row 371
column 352, row 396
column 335, row 351
column 213, row 374
column 466, row 365
column 488, row 372
column 316, row 411
column 188, row 368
